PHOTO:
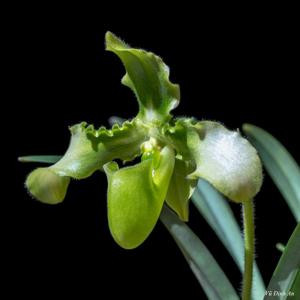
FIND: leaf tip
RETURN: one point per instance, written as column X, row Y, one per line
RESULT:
column 247, row 127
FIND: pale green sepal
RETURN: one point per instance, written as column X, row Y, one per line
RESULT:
column 148, row 77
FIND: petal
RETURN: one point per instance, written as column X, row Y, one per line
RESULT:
column 88, row 151
column 135, row 197
column 225, row 159
column 47, row 186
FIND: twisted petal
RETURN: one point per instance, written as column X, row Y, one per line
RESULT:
column 226, row 160
column 88, row 151
column 135, row 197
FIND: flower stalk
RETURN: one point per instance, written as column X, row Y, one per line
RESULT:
column 248, row 221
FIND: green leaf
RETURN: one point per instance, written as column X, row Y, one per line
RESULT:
column 180, row 189
column 88, row 151
column 148, row 77
column 135, row 197
column 226, row 160
column 49, row 159
column 218, row 214
column 287, row 270
column 47, row 186
column 296, row 285
column 279, row 164
column 209, row 274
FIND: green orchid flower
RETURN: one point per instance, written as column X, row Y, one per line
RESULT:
column 173, row 154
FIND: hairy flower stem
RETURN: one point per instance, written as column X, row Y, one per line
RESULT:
column 249, row 248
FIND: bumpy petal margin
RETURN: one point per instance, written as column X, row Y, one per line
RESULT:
column 148, row 77
column 88, row 151
column 135, row 197
column 225, row 159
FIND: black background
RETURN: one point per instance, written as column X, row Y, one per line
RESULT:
column 234, row 71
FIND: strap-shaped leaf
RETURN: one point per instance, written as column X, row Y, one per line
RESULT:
column 88, row 151
column 296, row 285
column 135, row 197
column 288, row 268
column 209, row 274
column 216, row 211
column 280, row 165
column 48, row 159
column 148, row 77
column 226, row 160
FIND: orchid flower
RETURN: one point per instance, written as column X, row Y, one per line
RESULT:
column 171, row 153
